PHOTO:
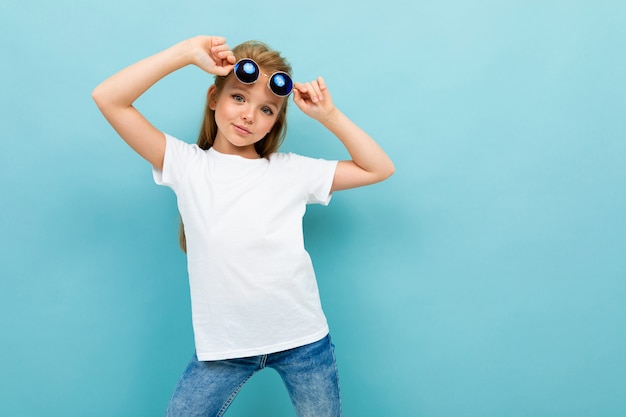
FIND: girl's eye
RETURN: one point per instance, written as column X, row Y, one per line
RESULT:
column 267, row 111
column 238, row 97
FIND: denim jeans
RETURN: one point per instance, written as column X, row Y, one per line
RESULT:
column 207, row 388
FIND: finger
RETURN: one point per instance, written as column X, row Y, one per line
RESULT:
column 217, row 40
column 300, row 87
column 307, row 91
column 301, row 96
column 226, row 57
column 221, row 51
column 323, row 88
column 221, row 47
column 222, row 55
column 223, row 70
column 302, row 92
column 315, row 91
column 296, row 96
column 299, row 91
column 321, row 83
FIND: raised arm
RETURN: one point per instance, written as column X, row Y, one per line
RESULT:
column 369, row 164
column 115, row 96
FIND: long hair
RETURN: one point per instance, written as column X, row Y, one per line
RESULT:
column 270, row 61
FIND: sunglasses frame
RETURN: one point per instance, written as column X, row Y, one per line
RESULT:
column 259, row 73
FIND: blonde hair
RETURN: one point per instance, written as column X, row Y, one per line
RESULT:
column 270, row 61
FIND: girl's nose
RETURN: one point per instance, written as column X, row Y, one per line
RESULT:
column 248, row 115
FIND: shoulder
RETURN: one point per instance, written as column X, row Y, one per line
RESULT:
column 283, row 160
column 174, row 142
column 283, row 157
column 290, row 158
column 177, row 149
column 181, row 157
column 295, row 165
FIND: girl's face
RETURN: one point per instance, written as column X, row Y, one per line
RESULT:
column 244, row 114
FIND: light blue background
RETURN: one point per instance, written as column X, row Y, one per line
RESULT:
column 486, row 278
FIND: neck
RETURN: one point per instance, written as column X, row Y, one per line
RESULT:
column 225, row 147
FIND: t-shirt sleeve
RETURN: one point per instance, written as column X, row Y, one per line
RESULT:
column 177, row 159
column 318, row 174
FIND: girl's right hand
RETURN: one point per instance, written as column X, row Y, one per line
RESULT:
column 115, row 95
column 212, row 54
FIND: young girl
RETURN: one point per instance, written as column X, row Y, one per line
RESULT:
column 255, row 301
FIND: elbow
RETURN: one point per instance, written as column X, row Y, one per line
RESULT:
column 388, row 171
column 381, row 174
column 391, row 169
column 97, row 96
column 101, row 96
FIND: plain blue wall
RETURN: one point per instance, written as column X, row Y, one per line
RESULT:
column 486, row 278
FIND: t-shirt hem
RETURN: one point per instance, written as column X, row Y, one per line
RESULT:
column 215, row 356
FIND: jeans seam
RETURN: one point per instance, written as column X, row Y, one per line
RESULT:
column 332, row 352
column 233, row 396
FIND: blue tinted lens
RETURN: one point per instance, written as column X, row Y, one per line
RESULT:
column 279, row 81
column 281, row 84
column 246, row 71
column 248, row 68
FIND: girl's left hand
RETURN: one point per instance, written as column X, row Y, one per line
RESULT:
column 313, row 98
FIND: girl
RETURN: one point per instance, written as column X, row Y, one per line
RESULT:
column 255, row 301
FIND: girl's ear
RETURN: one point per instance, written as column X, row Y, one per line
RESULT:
column 212, row 97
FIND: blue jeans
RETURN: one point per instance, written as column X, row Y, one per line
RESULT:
column 207, row 388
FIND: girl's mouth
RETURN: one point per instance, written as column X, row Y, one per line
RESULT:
column 241, row 129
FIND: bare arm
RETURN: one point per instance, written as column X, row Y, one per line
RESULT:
column 115, row 96
column 369, row 164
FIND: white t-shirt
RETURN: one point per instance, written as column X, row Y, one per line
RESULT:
column 253, row 288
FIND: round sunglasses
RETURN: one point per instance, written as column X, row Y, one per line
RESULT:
column 247, row 71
